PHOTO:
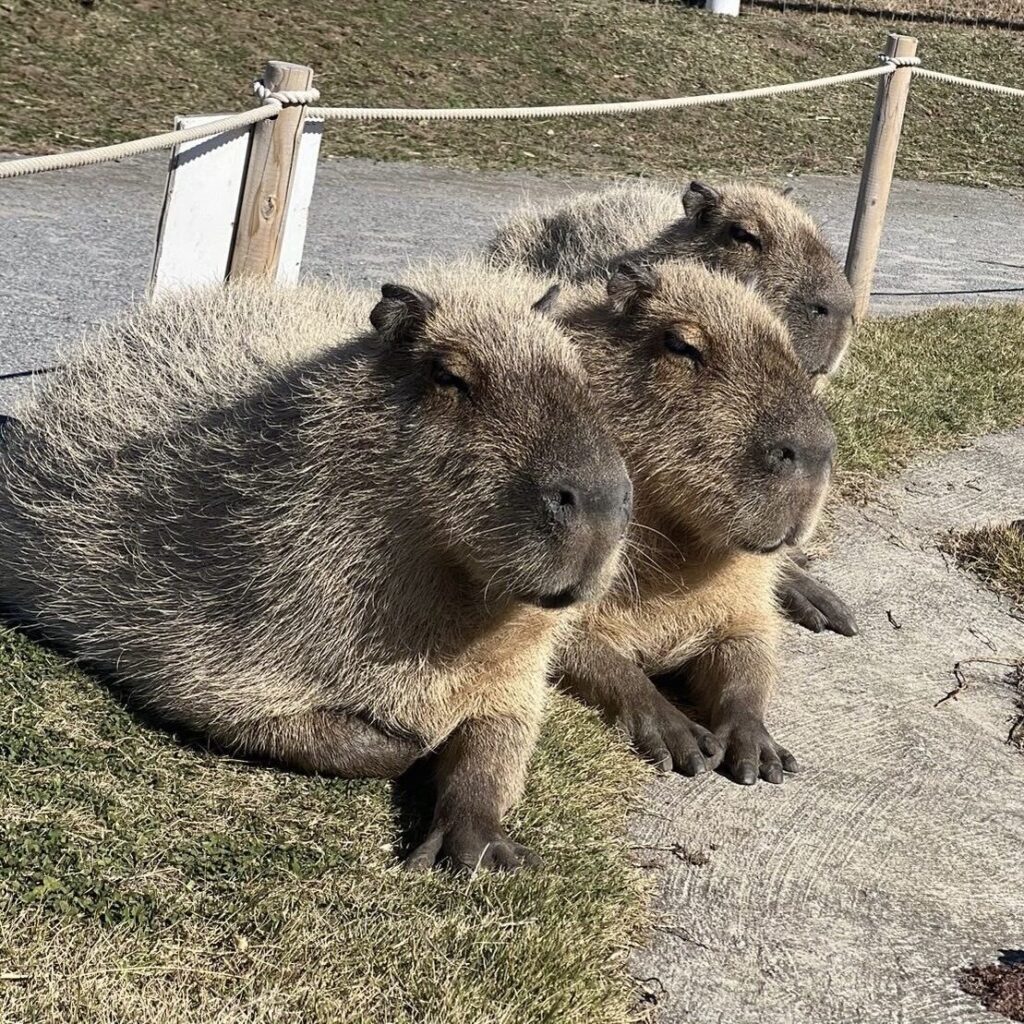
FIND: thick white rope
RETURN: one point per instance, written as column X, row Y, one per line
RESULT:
column 970, row 83
column 285, row 98
column 106, row 154
column 272, row 102
column 580, row 109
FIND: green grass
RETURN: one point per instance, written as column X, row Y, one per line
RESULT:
column 78, row 77
column 926, row 382
column 143, row 881
column 995, row 554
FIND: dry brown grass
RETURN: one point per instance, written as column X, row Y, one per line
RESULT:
column 995, row 554
column 159, row 59
column 967, row 12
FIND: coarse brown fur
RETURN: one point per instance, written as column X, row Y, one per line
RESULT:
column 333, row 548
column 730, row 455
column 753, row 233
column 756, row 234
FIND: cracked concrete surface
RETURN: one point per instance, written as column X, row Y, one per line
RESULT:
column 854, row 892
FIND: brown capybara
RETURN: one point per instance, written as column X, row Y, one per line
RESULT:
column 333, row 549
column 757, row 235
column 730, row 454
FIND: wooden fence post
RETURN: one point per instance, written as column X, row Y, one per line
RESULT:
column 876, row 174
column 268, row 178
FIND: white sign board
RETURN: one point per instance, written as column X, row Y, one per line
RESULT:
column 294, row 240
column 200, row 212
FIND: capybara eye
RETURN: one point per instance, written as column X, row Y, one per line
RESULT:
column 681, row 347
column 741, row 236
column 444, row 378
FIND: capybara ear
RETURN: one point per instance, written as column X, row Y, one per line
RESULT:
column 630, row 283
column 401, row 313
column 547, row 301
column 699, row 198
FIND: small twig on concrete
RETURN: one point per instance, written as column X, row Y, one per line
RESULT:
column 650, row 995
column 961, row 683
column 974, row 631
column 680, row 933
column 892, row 620
column 961, row 679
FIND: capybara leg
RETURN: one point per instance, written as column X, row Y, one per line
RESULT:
column 732, row 681
column 325, row 743
column 480, row 774
column 598, row 675
column 811, row 604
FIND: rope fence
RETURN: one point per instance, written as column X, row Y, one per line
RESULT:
column 120, row 150
column 969, row 83
column 274, row 102
column 588, row 109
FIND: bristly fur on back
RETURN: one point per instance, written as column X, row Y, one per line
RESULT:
column 580, row 238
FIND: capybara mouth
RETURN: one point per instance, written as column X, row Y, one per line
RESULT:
column 791, row 536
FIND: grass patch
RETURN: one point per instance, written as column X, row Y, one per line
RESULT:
column 925, row 382
column 143, row 881
column 198, row 55
column 995, row 554
column 963, row 11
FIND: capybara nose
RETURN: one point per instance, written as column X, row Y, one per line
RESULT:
column 572, row 501
column 793, row 457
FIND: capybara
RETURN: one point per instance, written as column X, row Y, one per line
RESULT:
column 730, row 454
column 332, row 548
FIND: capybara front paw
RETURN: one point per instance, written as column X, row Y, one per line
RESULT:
column 750, row 752
column 469, row 848
column 809, row 603
column 661, row 734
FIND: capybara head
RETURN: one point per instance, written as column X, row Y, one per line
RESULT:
column 725, row 439
column 522, row 484
column 764, row 239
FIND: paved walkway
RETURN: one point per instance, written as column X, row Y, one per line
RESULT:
column 75, row 246
column 852, row 893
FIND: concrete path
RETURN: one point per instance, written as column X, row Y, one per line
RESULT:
column 75, row 246
column 853, row 892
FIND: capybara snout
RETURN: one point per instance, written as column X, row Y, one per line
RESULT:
column 820, row 323
column 586, row 508
column 799, row 458
column 790, row 466
column 570, row 503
